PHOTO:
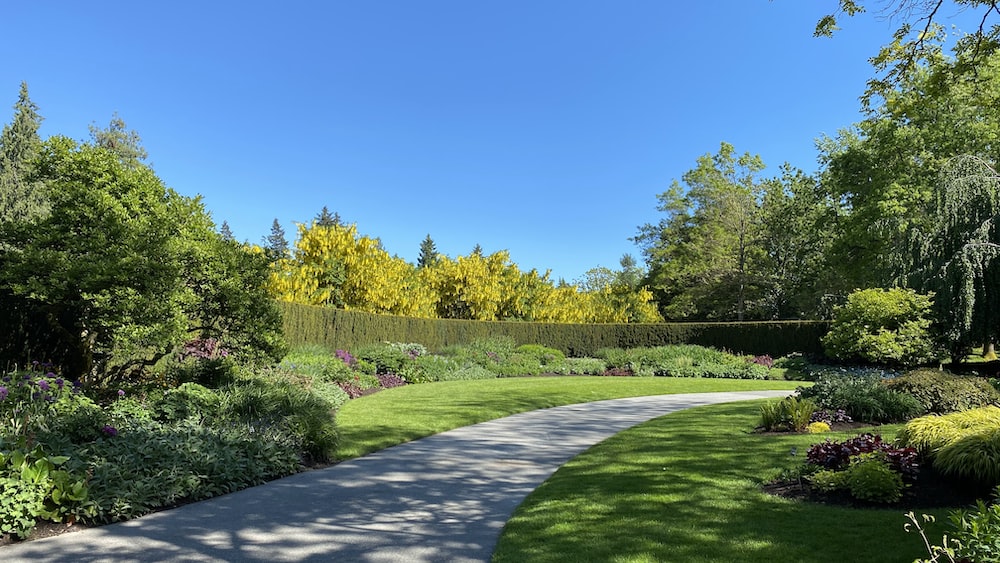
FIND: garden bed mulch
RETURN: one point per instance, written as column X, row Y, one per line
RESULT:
column 930, row 489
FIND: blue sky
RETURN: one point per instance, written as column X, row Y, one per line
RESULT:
column 542, row 127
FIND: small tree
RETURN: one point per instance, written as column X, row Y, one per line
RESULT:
column 275, row 243
column 326, row 219
column 225, row 232
column 428, row 253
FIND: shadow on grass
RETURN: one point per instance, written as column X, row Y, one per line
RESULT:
column 685, row 487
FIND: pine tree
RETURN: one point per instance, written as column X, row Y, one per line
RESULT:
column 275, row 243
column 21, row 196
column 226, row 232
column 478, row 250
column 118, row 139
column 325, row 219
column 428, row 253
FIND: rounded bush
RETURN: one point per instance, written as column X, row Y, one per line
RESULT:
column 942, row 392
column 883, row 326
column 871, row 479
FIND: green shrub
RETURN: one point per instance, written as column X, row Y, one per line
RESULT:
column 942, row 392
column 870, row 478
column 977, row 532
column 469, row 372
column 548, row 357
column 428, row 368
column 827, row 480
column 581, row 366
column 33, row 487
column 390, row 357
column 159, row 465
column 682, row 361
column 863, row 397
column 189, row 400
column 516, row 365
column 317, row 361
column 286, row 407
column 883, row 326
column 788, row 414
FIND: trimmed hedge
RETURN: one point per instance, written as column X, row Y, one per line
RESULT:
column 340, row 329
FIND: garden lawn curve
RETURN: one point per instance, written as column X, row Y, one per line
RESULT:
column 441, row 498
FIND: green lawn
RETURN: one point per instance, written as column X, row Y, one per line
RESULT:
column 402, row 414
column 684, row 487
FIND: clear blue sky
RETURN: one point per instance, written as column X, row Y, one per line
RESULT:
column 542, row 127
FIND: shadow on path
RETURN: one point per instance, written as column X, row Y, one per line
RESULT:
column 441, row 498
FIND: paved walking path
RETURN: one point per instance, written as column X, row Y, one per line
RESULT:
column 444, row 498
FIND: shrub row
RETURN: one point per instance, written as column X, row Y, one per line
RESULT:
column 349, row 330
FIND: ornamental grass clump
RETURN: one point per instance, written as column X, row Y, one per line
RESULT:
column 787, row 415
column 963, row 445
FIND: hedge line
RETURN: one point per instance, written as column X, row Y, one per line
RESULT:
column 340, row 329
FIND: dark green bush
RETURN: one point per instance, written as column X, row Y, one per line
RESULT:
column 189, row 400
column 285, row 407
column 942, row 392
column 863, row 397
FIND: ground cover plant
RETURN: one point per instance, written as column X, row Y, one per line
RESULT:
column 687, row 487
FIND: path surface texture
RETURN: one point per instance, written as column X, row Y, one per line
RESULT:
column 439, row 499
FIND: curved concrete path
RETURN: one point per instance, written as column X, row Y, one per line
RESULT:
column 444, row 498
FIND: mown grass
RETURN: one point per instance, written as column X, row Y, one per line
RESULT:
column 686, row 487
column 402, row 414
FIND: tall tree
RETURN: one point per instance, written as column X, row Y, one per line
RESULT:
column 119, row 140
column 957, row 254
column 326, row 219
column 702, row 255
column 884, row 170
column 275, row 244
column 22, row 195
column 428, row 253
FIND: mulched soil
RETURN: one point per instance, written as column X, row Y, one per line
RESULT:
column 930, row 489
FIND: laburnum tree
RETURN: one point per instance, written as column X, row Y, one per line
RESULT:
column 335, row 266
column 124, row 269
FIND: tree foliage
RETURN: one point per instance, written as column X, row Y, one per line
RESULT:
column 956, row 253
column 336, row 266
column 428, row 253
column 22, row 195
column 125, row 269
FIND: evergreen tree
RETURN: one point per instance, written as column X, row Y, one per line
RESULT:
column 118, row 139
column 21, row 196
column 325, row 219
column 275, row 243
column 428, row 253
column 957, row 255
column 478, row 250
column 226, row 232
